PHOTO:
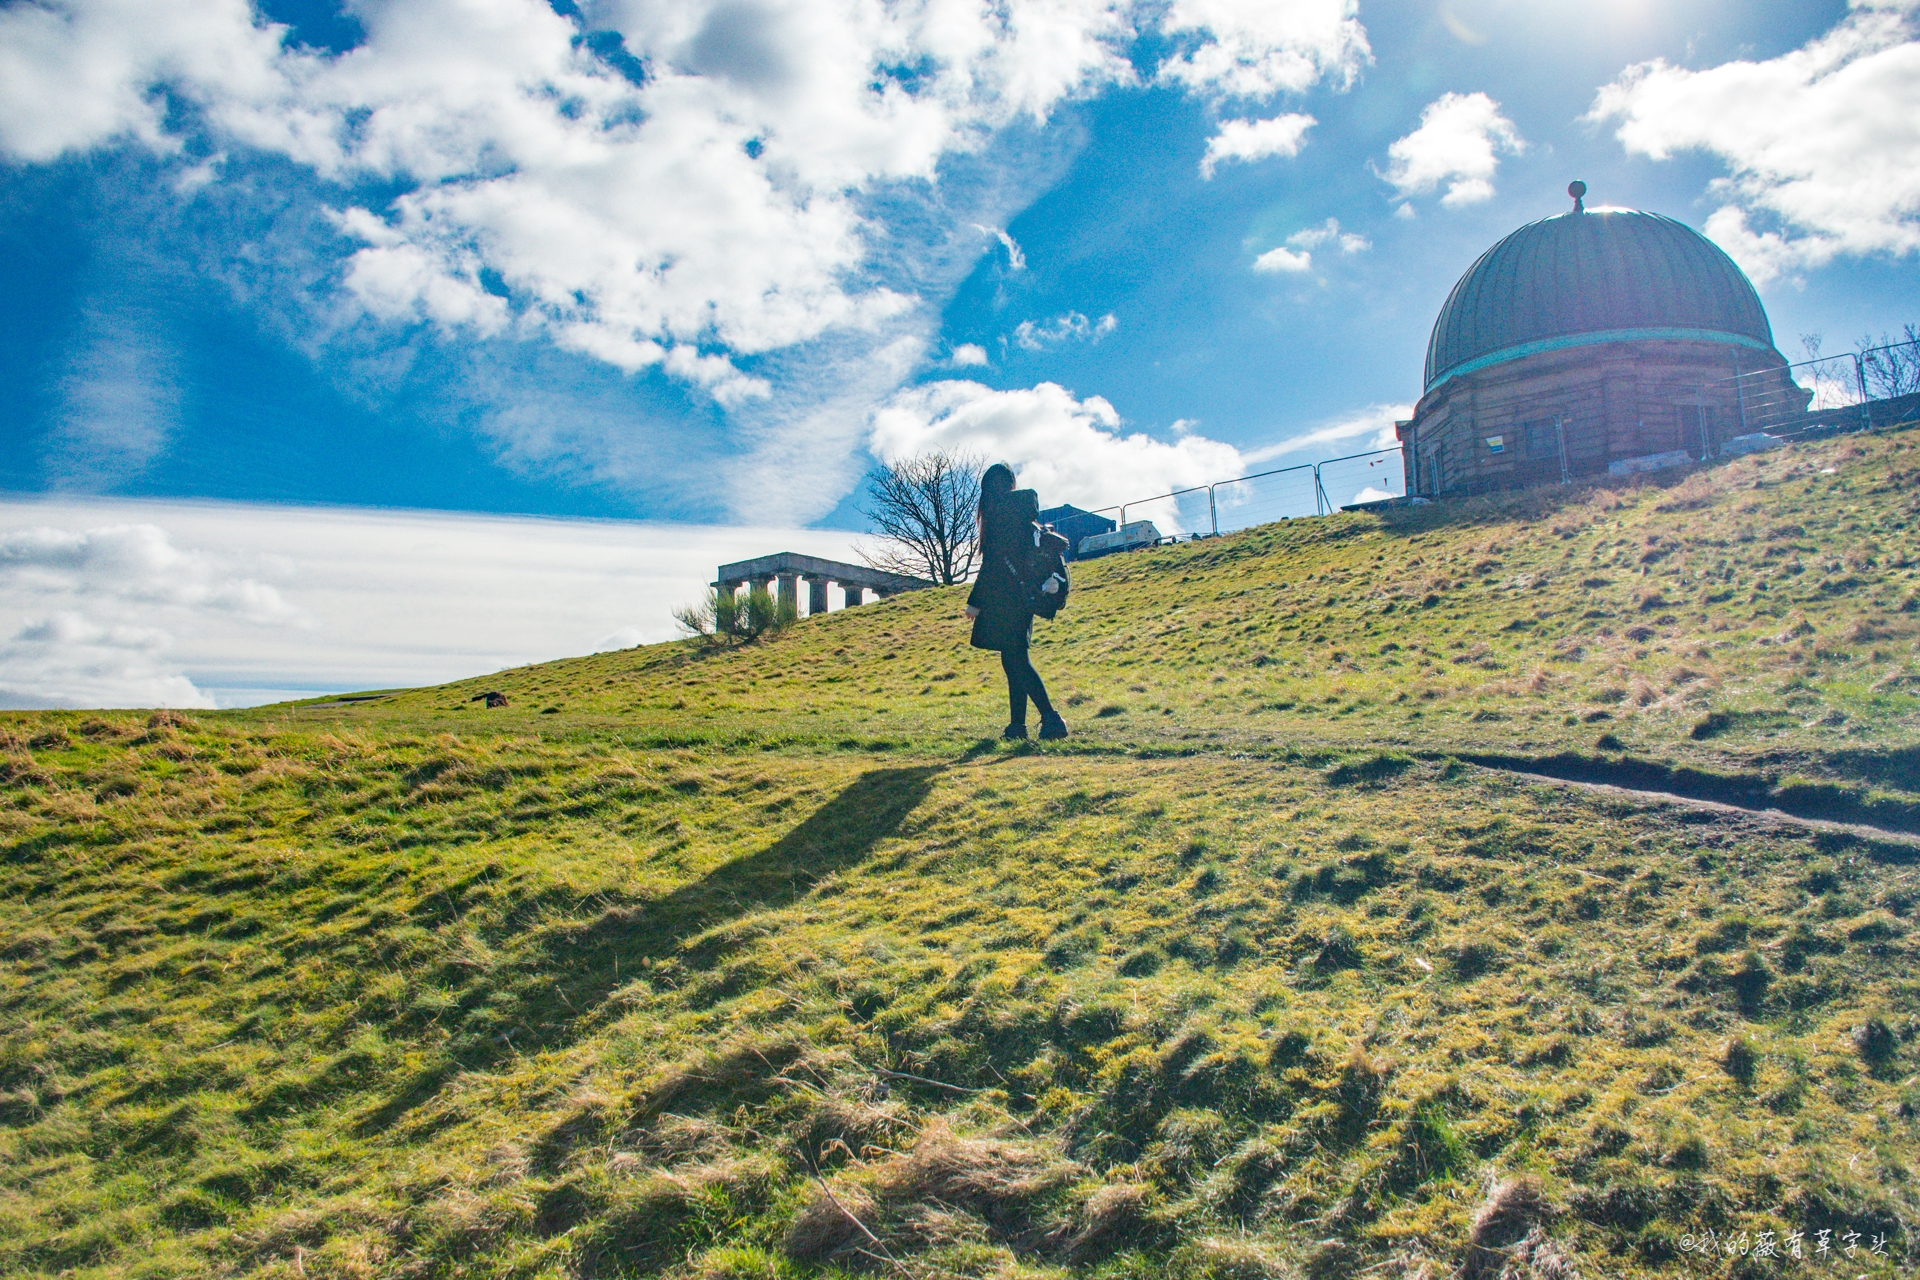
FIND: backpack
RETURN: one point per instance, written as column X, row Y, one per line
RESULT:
column 1049, row 562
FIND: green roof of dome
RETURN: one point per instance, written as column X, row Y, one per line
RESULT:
column 1589, row 276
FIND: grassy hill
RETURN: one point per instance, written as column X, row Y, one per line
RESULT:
column 1522, row 886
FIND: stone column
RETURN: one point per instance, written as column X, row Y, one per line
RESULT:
column 788, row 591
column 855, row 595
column 816, row 596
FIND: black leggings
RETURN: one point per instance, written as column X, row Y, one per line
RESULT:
column 1023, row 682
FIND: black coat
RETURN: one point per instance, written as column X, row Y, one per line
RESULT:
column 1001, row 591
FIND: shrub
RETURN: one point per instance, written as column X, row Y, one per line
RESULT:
column 1740, row 1060
column 724, row 616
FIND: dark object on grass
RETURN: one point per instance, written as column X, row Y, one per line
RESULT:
column 1740, row 1060
column 1875, row 1041
column 493, row 698
column 1339, row 949
column 1749, row 981
column 1508, row 1223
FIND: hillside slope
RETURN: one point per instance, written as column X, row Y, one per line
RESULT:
column 1293, row 960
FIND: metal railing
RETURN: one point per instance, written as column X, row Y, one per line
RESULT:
column 1875, row 386
column 1264, row 496
column 1853, row 392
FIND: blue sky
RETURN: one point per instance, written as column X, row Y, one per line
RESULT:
column 704, row 261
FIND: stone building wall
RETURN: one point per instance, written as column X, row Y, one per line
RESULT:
column 1612, row 401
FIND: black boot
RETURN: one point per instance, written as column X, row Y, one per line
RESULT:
column 1052, row 726
column 1017, row 731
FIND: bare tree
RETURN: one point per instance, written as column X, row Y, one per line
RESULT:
column 923, row 509
column 1893, row 368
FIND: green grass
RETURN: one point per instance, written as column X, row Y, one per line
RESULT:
column 1276, row 967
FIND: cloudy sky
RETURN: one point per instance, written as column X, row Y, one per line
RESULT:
column 282, row 277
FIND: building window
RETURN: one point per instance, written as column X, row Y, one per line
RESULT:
column 1540, row 439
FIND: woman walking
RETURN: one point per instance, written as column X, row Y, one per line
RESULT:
column 1000, row 604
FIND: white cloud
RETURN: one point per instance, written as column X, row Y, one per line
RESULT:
column 76, row 75
column 532, row 170
column 768, row 216
column 1300, row 257
column 133, row 604
column 969, row 353
column 1822, row 144
column 1459, row 143
column 195, row 177
column 1016, row 260
column 1255, row 140
column 1765, row 255
column 119, row 394
column 1283, row 260
column 406, row 282
column 92, row 611
column 65, row 660
column 1071, row 327
column 130, row 562
column 1371, row 428
column 528, row 157
column 1070, row 450
column 1329, row 233
column 1258, row 48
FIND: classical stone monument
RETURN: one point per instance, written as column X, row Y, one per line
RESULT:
column 1597, row 339
column 788, row 570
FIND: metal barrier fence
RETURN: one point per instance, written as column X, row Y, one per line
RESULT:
column 1872, row 387
column 1892, row 372
column 1308, row 488
column 1827, row 393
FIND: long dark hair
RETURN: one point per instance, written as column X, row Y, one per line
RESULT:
column 996, row 482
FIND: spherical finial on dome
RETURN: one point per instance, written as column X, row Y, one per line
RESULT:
column 1578, row 190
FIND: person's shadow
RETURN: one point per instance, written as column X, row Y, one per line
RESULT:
column 552, row 990
column 840, row 834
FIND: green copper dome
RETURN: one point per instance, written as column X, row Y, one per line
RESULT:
column 1589, row 276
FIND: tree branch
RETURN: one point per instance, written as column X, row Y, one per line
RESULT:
column 923, row 510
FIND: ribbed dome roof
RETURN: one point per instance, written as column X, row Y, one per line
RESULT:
column 1593, row 272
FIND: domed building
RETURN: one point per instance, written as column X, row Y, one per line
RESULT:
column 1584, row 341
